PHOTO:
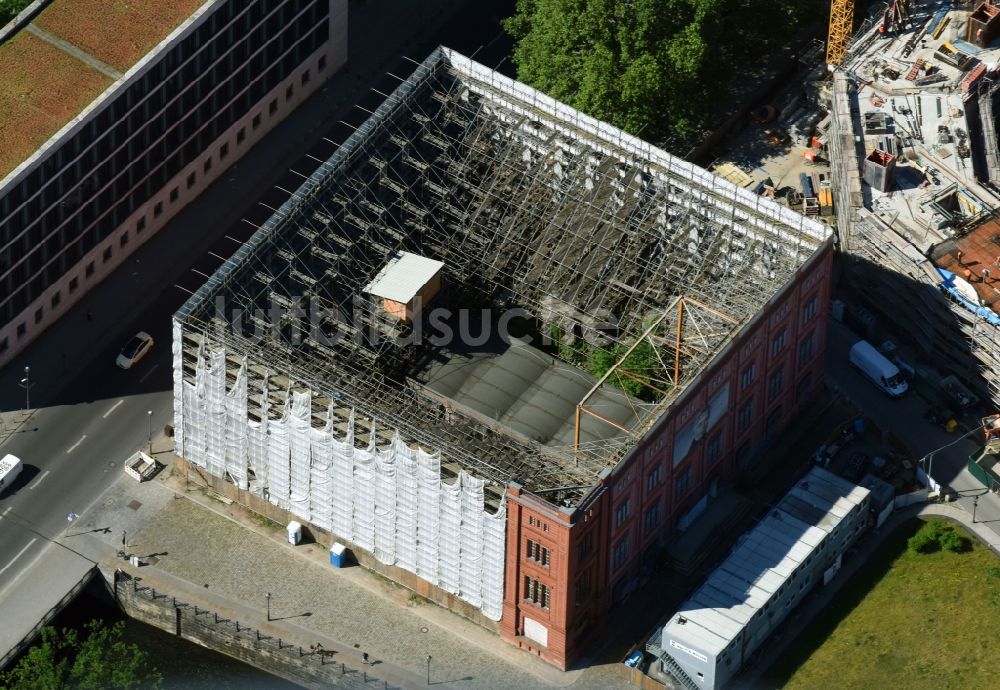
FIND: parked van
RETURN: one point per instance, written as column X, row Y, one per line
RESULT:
column 10, row 467
column 876, row 367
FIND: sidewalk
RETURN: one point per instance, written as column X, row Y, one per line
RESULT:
column 223, row 550
column 290, row 632
column 802, row 617
column 12, row 422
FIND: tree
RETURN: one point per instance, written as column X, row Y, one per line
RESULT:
column 44, row 666
column 651, row 67
column 10, row 9
column 99, row 661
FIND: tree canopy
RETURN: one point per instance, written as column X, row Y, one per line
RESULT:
column 100, row 660
column 10, row 9
column 651, row 67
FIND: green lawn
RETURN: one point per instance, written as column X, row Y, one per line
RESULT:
column 906, row 620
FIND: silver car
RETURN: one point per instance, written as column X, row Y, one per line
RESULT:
column 135, row 349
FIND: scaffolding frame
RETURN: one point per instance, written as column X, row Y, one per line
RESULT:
column 529, row 204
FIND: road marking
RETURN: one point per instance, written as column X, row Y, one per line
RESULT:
column 19, row 554
column 4, row 513
column 146, row 375
column 44, row 475
column 73, row 447
column 113, row 408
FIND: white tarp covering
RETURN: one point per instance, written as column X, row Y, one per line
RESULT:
column 389, row 501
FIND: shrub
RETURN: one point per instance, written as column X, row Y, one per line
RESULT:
column 923, row 542
column 954, row 542
column 936, row 535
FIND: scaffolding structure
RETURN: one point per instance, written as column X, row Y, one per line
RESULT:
column 530, row 205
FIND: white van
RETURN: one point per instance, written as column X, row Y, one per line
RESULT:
column 876, row 367
column 10, row 467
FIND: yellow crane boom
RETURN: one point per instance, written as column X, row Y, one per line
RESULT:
column 841, row 24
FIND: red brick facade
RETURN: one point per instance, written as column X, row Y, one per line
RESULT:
column 556, row 598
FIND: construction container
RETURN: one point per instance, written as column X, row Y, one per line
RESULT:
column 806, row 184
column 880, row 169
column 294, row 530
column 338, row 555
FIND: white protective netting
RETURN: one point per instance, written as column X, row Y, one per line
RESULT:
column 389, row 501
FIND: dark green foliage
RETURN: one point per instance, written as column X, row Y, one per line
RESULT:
column 648, row 66
column 642, row 363
column 10, row 9
column 922, row 542
column 98, row 661
column 954, row 542
column 936, row 535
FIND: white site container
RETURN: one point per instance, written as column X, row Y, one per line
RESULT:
column 10, row 467
column 294, row 532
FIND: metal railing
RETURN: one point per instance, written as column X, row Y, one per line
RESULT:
column 128, row 585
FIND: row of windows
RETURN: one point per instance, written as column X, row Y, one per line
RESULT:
column 536, row 593
column 535, row 522
column 78, row 210
column 22, row 291
column 140, row 226
column 74, row 285
column 620, row 553
column 229, row 30
column 538, row 553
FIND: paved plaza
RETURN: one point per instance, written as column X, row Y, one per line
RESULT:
column 202, row 540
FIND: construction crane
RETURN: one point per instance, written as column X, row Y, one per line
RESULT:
column 841, row 25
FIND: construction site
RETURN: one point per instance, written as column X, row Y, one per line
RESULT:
column 893, row 143
column 483, row 296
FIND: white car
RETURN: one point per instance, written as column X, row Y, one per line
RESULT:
column 135, row 349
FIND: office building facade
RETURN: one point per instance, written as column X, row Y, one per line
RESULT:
column 155, row 139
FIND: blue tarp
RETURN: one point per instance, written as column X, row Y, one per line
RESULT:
column 948, row 285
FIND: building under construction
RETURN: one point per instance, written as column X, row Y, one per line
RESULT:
column 925, row 226
column 502, row 350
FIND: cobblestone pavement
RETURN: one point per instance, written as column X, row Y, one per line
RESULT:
column 354, row 606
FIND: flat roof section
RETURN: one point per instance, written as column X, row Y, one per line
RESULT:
column 980, row 251
column 763, row 560
column 117, row 33
column 45, row 80
column 403, row 277
column 41, row 89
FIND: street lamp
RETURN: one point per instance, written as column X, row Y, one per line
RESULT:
column 975, row 504
column 26, row 383
column 428, row 669
column 149, row 416
column 267, row 596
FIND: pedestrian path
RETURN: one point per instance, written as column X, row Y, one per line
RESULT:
column 223, row 550
column 12, row 422
column 290, row 632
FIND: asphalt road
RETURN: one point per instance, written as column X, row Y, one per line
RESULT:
column 904, row 417
column 90, row 415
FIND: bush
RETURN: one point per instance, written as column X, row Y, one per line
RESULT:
column 923, row 542
column 936, row 535
column 954, row 542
